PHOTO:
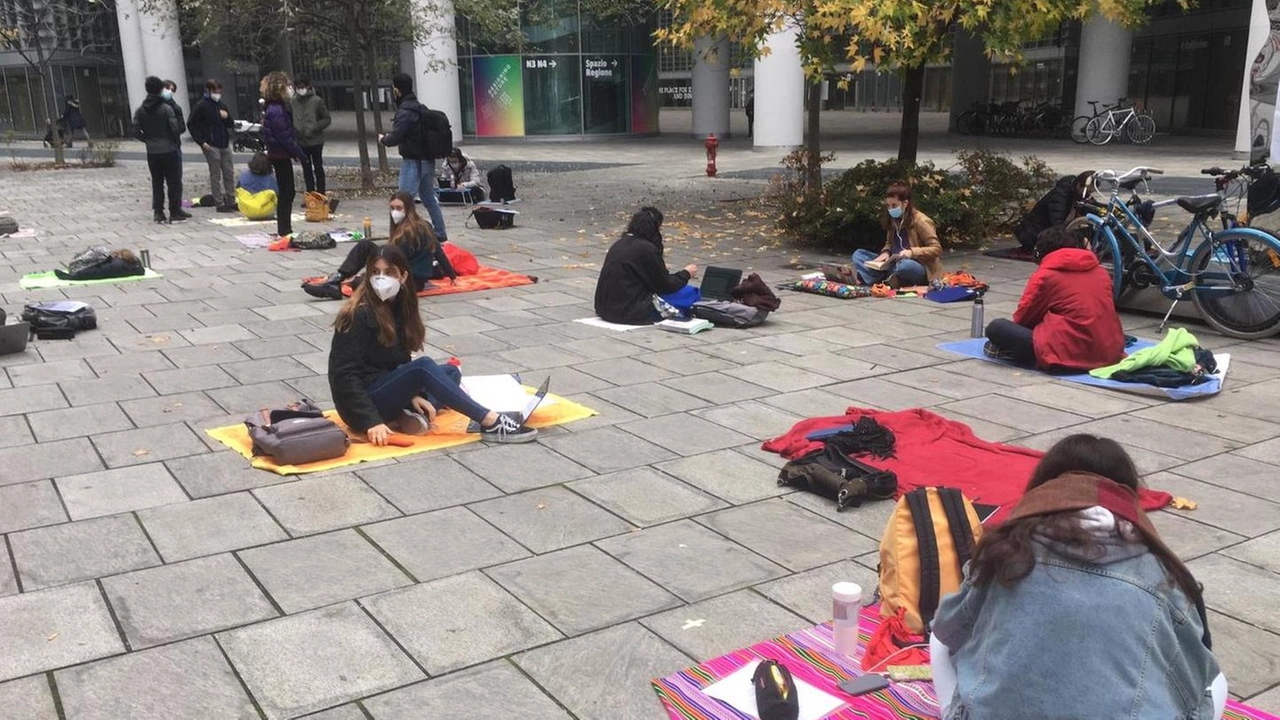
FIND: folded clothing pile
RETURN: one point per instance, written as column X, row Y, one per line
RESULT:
column 1176, row 361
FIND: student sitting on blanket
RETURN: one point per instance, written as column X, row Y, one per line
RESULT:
column 256, row 190
column 409, row 232
column 1066, row 319
column 377, row 388
column 911, row 254
column 460, row 179
column 1075, row 608
column 634, row 272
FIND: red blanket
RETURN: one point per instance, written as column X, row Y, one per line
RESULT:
column 932, row 450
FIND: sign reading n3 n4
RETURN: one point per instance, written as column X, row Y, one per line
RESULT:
column 599, row 67
column 540, row 63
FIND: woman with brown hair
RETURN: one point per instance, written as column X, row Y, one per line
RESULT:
column 911, row 254
column 282, row 144
column 377, row 387
column 412, row 234
column 1075, row 608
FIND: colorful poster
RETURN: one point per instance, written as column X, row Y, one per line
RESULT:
column 644, row 94
column 499, row 96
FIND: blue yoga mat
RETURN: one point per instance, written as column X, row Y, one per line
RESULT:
column 973, row 348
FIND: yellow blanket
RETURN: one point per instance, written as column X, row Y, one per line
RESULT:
column 451, row 431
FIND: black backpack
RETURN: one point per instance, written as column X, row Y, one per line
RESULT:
column 437, row 133
column 501, row 187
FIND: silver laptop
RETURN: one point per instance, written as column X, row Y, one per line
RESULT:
column 13, row 338
column 535, row 401
column 840, row 273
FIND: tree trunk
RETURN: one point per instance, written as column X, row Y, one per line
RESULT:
column 358, row 86
column 812, row 141
column 909, row 137
column 50, row 102
column 375, row 91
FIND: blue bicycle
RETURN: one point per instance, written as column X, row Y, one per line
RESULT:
column 1232, row 273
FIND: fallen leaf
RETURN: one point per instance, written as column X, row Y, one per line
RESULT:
column 542, row 506
column 140, row 453
column 52, row 637
column 1181, row 503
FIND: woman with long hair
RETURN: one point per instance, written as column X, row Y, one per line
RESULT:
column 282, row 144
column 1075, row 608
column 634, row 272
column 377, row 387
column 911, row 254
column 412, row 234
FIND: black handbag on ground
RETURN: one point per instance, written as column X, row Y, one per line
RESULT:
column 59, row 319
column 833, row 475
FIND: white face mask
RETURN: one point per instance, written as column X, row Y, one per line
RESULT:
column 216, row 97
column 303, row 92
column 167, row 94
column 397, row 216
column 289, row 91
column 385, row 287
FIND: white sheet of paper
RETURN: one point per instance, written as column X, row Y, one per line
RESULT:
column 740, row 692
column 606, row 325
column 499, row 393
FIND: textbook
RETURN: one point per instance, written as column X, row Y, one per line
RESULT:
column 688, row 327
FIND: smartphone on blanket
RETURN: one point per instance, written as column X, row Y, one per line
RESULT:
column 863, row 684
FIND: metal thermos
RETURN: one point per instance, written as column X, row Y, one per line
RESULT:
column 976, row 326
column 145, row 256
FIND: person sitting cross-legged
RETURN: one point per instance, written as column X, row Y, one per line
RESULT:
column 911, row 254
column 634, row 272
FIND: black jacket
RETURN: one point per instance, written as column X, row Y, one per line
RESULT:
column 356, row 359
column 158, row 125
column 633, row 273
column 1057, row 207
column 406, row 129
column 207, row 124
column 116, row 267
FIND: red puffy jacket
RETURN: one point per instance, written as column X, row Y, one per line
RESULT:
column 1068, row 306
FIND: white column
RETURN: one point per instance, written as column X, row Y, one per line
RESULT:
column 1251, row 110
column 162, row 47
column 779, row 90
column 436, row 63
column 1105, row 47
column 710, row 87
column 135, row 65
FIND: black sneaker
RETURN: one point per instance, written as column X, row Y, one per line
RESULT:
column 508, row 429
column 996, row 353
column 229, row 207
column 325, row 290
column 161, row 219
column 178, row 215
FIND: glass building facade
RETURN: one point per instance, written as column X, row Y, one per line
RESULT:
column 566, row 75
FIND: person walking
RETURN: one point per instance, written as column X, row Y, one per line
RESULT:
column 417, row 168
column 210, row 127
column 310, row 120
column 73, row 120
column 160, row 128
column 282, row 144
column 749, row 107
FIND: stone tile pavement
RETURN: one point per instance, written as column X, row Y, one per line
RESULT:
column 147, row 572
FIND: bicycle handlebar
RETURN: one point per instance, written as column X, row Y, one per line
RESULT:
column 1251, row 171
column 1140, row 172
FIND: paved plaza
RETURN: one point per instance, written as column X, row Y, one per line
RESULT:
column 148, row 572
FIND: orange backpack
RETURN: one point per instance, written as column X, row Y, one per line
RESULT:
column 929, row 538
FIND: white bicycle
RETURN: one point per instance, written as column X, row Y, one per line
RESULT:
column 1137, row 126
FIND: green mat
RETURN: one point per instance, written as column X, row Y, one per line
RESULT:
column 35, row 281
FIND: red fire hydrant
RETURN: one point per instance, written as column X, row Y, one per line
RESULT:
column 711, row 143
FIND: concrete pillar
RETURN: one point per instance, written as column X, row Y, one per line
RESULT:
column 1105, row 49
column 970, row 74
column 162, row 48
column 710, row 87
column 779, row 88
column 135, row 64
column 406, row 58
column 436, row 63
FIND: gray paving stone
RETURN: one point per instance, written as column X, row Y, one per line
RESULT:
column 184, row 407
column 50, row 372
column 1159, row 437
column 1148, row 462
column 458, row 621
column 108, row 492
column 1234, row 472
column 1191, row 539
column 430, row 483
column 131, row 364
column 110, row 389
column 711, row 628
column 685, row 434
column 174, row 602
column 513, row 468
column 549, row 518
column 17, row 401
column 770, row 528
column 78, row 422
column 28, row 698
column 1240, row 590
column 206, row 377
column 29, row 505
column 718, row 388
column 1225, row 509
column 650, row 399
column 540, row 357
column 727, row 474
column 643, row 496
column 835, row 366
column 342, row 712
column 809, row 593
column 880, row 392
column 444, row 542
column 605, row 675
column 581, row 589
column 217, row 334
column 276, row 368
column 755, row 419
column 461, row 325
column 204, row 355
column 67, row 553
column 14, row 431
column 1260, row 551
column 314, row 505
column 321, row 570
column 209, row 526
column 1267, row 452
column 1268, row 701
column 8, row 580
column 489, row 691
column 1208, row 419
column 624, row 371
column 54, row 628
column 607, row 449
column 315, row 660
column 779, row 376
column 1249, row 656
column 1027, row 417
column 273, row 347
column 245, row 399
column 220, row 473
column 184, row 681
column 148, row 445
column 891, row 356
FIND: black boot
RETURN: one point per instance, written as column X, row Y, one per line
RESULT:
column 330, row 288
column 160, row 218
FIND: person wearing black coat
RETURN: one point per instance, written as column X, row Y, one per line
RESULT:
column 210, row 126
column 160, row 128
column 1057, row 207
column 417, row 167
column 634, row 271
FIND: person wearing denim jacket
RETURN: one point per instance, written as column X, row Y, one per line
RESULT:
column 1075, row 608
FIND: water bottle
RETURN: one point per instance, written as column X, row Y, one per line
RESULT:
column 368, row 228
column 145, row 258
column 976, row 326
column 846, row 601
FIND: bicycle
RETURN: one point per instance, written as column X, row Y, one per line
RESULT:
column 1232, row 275
column 1138, row 127
column 1079, row 122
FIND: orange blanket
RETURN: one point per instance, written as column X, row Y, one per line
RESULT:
column 488, row 278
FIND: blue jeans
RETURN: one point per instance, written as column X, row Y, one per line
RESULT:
column 909, row 271
column 439, row 384
column 418, row 177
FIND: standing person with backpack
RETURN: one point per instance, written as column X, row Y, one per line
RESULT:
column 210, row 127
column 423, row 136
column 156, row 124
column 282, row 144
column 310, row 120
column 73, row 120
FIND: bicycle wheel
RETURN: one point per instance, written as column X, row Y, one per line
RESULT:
column 1077, row 126
column 1096, row 132
column 1141, row 129
column 1237, row 283
column 1103, row 243
column 967, row 123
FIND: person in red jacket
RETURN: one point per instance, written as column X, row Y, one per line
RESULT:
column 1066, row 319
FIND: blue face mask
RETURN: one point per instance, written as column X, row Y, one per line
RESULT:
column 896, row 212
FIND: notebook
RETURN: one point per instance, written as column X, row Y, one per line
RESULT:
column 839, row 273
column 687, row 327
column 876, row 265
column 718, row 281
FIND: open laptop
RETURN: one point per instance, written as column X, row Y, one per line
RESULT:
column 535, row 401
column 13, row 338
column 841, row 273
column 718, row 281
